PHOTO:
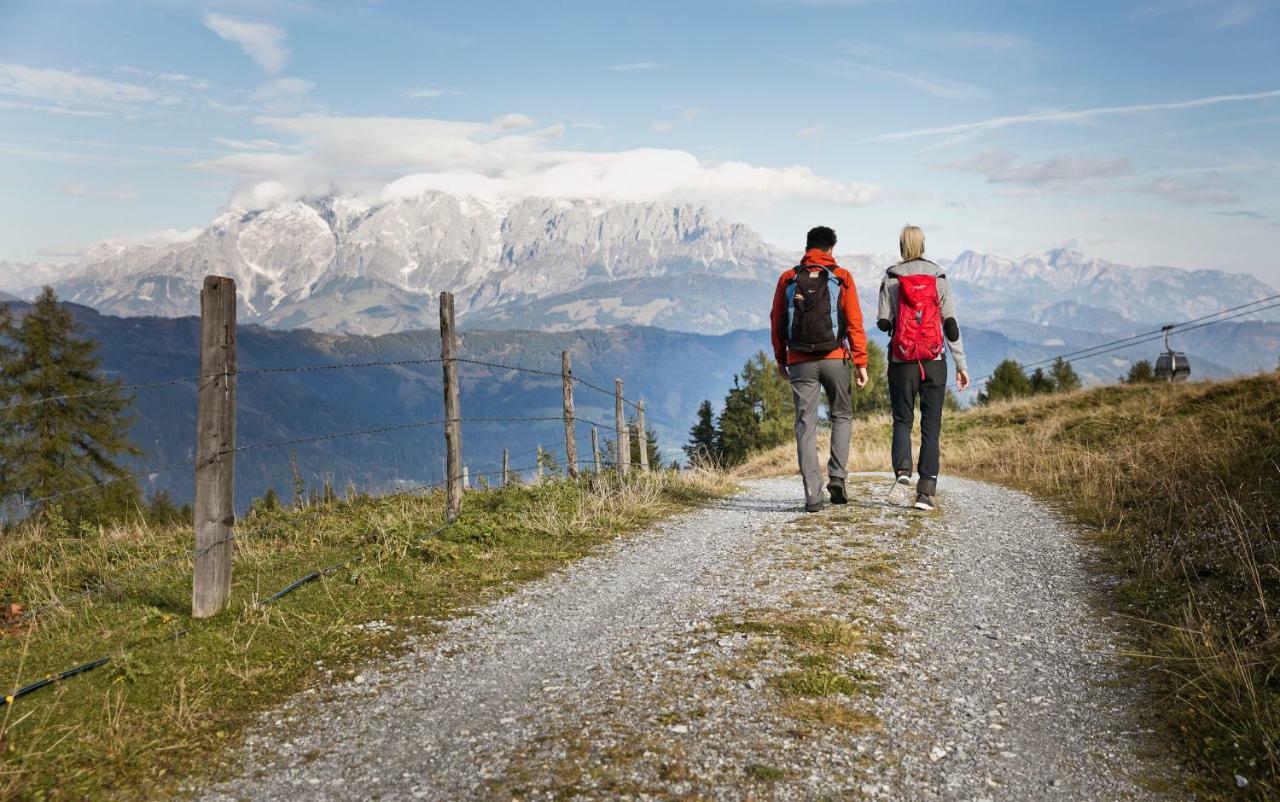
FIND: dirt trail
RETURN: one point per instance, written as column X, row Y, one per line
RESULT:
column 749, row 651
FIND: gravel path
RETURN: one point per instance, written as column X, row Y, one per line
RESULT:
column 747, row 651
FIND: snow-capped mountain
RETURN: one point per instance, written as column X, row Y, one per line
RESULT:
column 337, row 264
column 340, row 264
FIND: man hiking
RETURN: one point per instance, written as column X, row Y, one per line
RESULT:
column 918, row 310
column 817, row 332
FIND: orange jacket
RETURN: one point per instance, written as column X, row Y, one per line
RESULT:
column 855, row 346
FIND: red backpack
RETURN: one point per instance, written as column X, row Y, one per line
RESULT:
column 917, row 329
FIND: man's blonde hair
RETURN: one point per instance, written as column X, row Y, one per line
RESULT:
column 911, row 243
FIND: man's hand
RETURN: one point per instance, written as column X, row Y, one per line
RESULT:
column 784, row 373
column 962, row 380
column 860, row 375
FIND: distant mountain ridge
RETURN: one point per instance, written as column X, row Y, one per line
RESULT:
column 343, row 265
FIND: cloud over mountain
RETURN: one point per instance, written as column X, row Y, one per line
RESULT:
column 507, row 158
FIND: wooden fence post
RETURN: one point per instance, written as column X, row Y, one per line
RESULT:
column 466, row 477
column 620, row 426
column 452, row 411
column 539, row 464
column 215, row 443
column 506, row 468
column 570, row 437
column 595, row 449
column 642, row 441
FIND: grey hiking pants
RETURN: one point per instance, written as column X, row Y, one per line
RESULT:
column 808, row 381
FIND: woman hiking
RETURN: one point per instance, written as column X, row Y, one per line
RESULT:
column 917, row 309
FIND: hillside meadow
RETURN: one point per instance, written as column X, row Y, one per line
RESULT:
column 178, row 694
column 1180, row 486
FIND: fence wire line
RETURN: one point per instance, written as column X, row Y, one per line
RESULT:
column 143, row 643
column 64, row 602
column 1155, row 334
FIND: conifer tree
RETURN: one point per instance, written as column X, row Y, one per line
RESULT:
column 74, row 441
column 1007, row 381
column 8, row 355
column 1064, row 376
column 703, row 446
column 739, row 423
column 1042, row 382
column 874, row 397
column 1140, row 372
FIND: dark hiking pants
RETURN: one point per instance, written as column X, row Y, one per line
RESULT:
column 905, row 385
column 808, row 382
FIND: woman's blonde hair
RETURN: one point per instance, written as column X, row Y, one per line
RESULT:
column 911, row 243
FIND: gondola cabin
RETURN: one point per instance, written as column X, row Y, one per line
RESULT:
column 1172, row 366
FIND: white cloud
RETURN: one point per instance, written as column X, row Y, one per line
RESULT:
column 282, row 88
column 82, row 191
column 1196, row 192
column 948, row 90
column 490, row 161
column 67, row 111
column 996, row 123
column 62, row 86
column 429, row 93
column 248, row 144
column 636, row 66
column 810, row 132
column 1000, row 167
column 662, row 127
column 511, row 122
column 265, row 44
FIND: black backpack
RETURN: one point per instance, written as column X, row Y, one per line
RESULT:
column 815, row 321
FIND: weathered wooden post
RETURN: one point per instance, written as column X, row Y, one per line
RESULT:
column 466, row 477
column 539, row 465
column 506, row 467
column 620, row 426
column 642, row 437
column 570, row 438
column 595, row 449
column 215, row 444
column 452, row 411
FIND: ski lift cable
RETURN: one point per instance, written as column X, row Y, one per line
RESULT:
column 1155, row 334
column 1129, row 342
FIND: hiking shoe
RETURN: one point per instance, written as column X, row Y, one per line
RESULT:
column 924, row 502
column 900, row 493
column 838, row 496
column 814, row 507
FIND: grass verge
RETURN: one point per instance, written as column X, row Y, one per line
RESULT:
column 1181, row 484
column 167, row 709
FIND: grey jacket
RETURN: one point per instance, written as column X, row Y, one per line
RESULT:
column 889, row 305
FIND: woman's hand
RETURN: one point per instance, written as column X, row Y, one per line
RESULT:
column 860, row 375
column 962, row 380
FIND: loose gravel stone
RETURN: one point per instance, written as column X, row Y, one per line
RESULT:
column 973, row 665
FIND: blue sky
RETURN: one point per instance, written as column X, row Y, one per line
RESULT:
column 1142, row 131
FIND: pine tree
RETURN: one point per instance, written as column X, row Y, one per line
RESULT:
column 1007, row 381
column 1042, row 382
column 1064, row 376
column 650, row 443
column 739, row 424
column 874, row 397
column 8, row 356
column 703, row 446
column 73, row 442
column 1140, row 372
column 772, row 393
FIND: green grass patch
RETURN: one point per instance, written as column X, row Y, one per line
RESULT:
column 760, row 771
column 165, row 704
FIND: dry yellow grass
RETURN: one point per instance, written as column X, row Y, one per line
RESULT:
column 1181, row 484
